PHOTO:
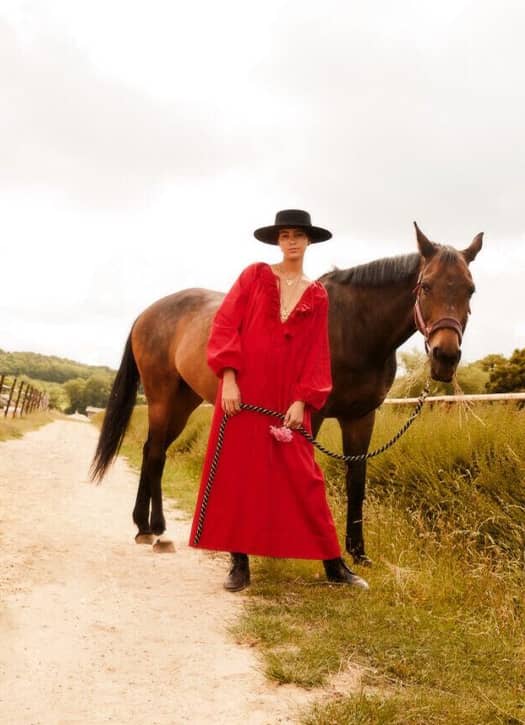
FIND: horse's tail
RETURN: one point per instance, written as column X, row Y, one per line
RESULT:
column 118, row 412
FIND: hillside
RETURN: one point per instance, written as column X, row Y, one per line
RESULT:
column 48, row 367
column 70, row 385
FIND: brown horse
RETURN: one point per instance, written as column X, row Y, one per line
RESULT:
column 374, row 308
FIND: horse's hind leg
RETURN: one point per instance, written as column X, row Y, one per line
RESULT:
column 153, row 457
column 183, row 403
column 356, row 439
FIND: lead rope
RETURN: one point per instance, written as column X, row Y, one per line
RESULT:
column 309, row 437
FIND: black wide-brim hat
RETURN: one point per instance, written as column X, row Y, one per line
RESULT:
column 292, row 219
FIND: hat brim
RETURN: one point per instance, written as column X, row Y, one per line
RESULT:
column 269, row 234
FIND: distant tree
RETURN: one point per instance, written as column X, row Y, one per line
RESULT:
column 96, row 391
column 69, row 385
column 508, row 376
column 55, row 398
column 413, row 369
column 47, row 367
column 77, row 400
column 489, row 362
column 412, row 361
column 471, row 378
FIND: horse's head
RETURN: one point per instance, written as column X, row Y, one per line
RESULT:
column 442, row 306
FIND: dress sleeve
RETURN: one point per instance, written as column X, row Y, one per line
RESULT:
column 314, row 383
column 224, row 343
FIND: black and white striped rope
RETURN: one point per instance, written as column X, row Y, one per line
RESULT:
column 309, row 437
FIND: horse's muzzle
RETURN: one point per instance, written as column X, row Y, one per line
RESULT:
column 444, row 353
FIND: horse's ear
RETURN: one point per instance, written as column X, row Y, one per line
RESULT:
column 426, row 247
column 470, row 253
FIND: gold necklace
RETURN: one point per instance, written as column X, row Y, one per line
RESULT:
column 289, row 281
column 285, row 300
column 284, row 313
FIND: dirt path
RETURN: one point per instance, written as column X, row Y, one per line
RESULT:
column 96, row 629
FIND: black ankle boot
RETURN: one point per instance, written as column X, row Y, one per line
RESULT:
column 239, row 574
column 338, row 571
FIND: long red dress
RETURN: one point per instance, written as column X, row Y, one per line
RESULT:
column 268, row 497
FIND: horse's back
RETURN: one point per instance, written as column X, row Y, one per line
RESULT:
column 169, row 341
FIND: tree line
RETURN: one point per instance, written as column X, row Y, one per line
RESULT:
column 73, row 386
column 48, row 367
column 70, row 385
column 492, row 374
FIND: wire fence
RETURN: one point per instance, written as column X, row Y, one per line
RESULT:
column 20, row 398
column 451, row 399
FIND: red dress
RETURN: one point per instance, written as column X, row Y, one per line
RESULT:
column 268, row 497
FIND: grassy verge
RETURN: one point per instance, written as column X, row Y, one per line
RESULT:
column 17, row 427
column 184, row 458
column 440, row 637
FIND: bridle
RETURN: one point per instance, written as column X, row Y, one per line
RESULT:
column 444, row 323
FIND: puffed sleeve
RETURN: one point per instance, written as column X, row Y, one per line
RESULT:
column 224, row 343
column 314, row 383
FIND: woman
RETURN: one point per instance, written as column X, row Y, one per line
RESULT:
column 269, row 347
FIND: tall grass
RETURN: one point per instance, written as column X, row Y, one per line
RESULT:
column 459, row 473
column 440, row 636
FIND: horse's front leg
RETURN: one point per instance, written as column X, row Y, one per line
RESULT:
column 161, row 437
column 356, row 439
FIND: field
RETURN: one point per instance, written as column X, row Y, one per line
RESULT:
column 440, row 637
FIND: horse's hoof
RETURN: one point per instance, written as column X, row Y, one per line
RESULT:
column 144, row 539
column 363, row 560
column 164, row 546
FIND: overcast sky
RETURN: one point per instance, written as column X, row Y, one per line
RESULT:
column 142, row 142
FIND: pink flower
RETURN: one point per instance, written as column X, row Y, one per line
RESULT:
column 282, row 434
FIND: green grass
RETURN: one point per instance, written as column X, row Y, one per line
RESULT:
column 440, row 636
column 461, row 471
column 17, row 427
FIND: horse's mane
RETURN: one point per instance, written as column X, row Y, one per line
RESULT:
column 389, row 269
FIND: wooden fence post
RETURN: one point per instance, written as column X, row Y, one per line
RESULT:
column 32, row 401
column 31, row 398
column 26, row 400
column 10, row 397
column 20, row 388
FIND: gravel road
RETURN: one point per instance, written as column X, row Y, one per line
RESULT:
column 96, row 629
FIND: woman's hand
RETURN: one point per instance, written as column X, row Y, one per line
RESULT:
column 231, row 395
column 294, row 415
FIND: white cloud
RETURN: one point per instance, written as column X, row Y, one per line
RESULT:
column 140, row 148
column 99, row 141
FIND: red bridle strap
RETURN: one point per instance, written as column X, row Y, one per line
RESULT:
column 444, row 323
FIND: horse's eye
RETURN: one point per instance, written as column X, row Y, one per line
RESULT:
column 425, row 287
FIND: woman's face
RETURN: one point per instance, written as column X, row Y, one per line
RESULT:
column 293, row 243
